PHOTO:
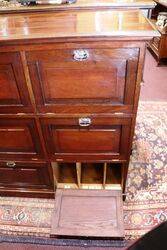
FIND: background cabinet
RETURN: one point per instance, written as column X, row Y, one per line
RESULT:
column 159, row 45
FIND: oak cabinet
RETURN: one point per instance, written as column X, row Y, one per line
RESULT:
column 19, row 138
column 83, row 82
column 14, row 96
column 77, row 77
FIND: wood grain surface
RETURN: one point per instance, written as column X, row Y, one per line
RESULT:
column 47, row 93
column 88, row 213
column 108, row 23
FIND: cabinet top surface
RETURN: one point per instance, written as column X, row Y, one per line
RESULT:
column 73, row 24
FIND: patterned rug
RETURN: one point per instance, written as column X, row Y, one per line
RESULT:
column 146, row 203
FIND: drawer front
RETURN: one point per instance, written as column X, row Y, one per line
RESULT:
column 22, row 175
column 65, row 79
column 14, row 96
column 104, row 138
column 19, row 138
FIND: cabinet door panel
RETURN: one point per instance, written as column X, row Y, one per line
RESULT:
column 14, row 95
column 9, row 93
column 19, row 138
column 30, row 175
column 86, row 83
column 92, row 141
column 105, row 137
column 61, row 83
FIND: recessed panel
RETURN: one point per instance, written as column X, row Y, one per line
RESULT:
column 88, row 213
column 82, row 141
column 19, row 138
column 93, row 84
column 13, row 139
column 9, row 93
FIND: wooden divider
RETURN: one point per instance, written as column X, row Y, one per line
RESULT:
column 78, row 169
column 104, row 174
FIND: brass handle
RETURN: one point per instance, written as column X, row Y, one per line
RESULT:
column 11, row 164
column 84, row 121
column 81, row 55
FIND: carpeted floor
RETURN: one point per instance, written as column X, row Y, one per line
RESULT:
column 155, row 81
column 146, row 203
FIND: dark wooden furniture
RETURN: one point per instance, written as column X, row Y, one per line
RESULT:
column 68, row 100
column 159, row 45
column 145, row 6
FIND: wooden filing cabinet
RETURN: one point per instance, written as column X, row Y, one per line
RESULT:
column 68, row 110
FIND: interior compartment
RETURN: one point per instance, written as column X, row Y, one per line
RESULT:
column 87, row 175
column 92, row 173
column 65, row 175
column 113, row 174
